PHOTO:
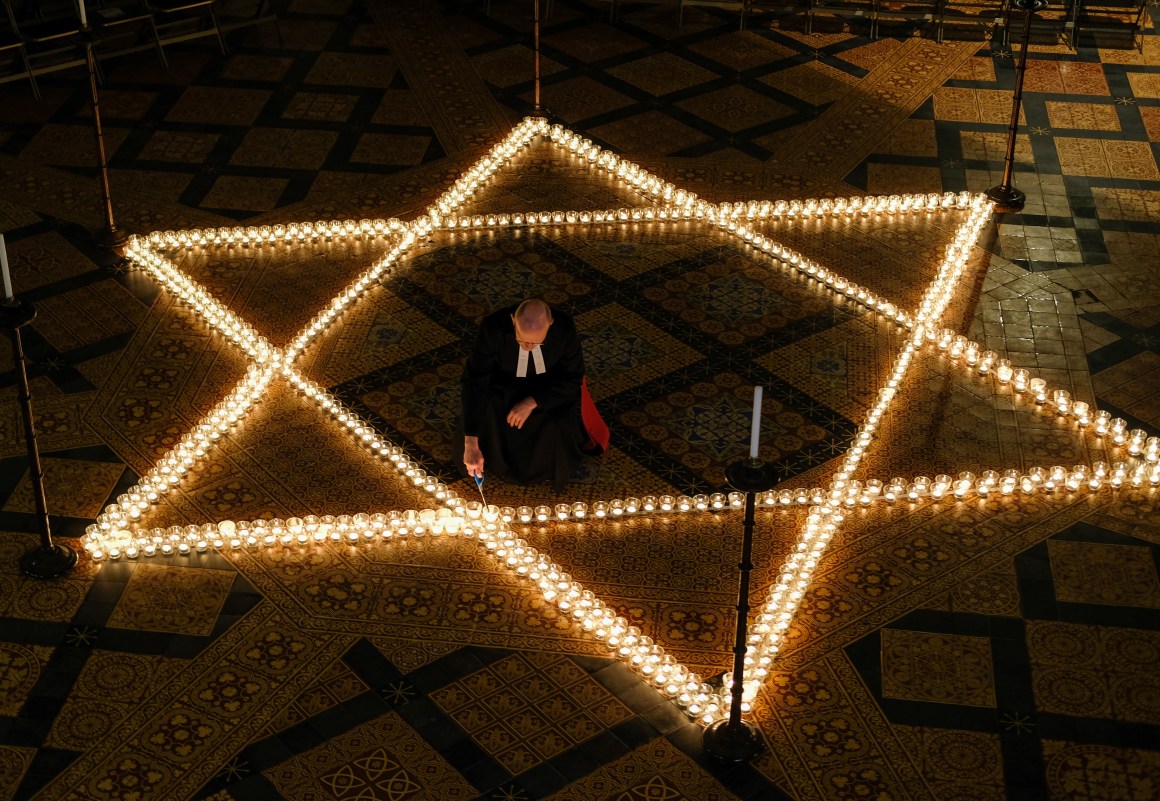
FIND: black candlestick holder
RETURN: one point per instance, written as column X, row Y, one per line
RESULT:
column 733, row 739
column 1005, row 196
column 48, row 560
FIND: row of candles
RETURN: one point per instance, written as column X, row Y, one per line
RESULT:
column 113, row 536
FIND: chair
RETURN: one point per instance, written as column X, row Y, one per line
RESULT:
column 12, row 47
column 729, row 5
column 1057, row 21
column 234, row 14
column 914, row 12
column 987, row 15
column 847, row 10
column 783, row 8
column 182, row 20
column 613, row 5
column 51, row 32
column 546, row 9
column 121, row 23
column 1116, row 17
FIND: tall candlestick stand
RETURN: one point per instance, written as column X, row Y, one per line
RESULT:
column 47, row 560
column 1005, row 196
column 536, row 108
column 733, row 739
column 110, row 236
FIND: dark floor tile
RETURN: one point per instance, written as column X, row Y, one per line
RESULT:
column 640, row 697
column 267, row 753
column 605, row 748
column 301, row 738
column 665, row 717
column 485, row 775
column 542, row 780
column 635, row 732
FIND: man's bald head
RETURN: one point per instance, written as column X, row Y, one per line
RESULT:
column 532, row 319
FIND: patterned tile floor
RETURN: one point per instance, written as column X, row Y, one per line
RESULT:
column 944, row 651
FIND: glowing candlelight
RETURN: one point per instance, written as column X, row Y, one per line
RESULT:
column 755, row 431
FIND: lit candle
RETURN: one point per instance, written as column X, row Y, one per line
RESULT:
column 4, row 269
column 755, row 431
column 84, row 19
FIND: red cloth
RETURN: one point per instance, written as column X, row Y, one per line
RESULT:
column 594, row 425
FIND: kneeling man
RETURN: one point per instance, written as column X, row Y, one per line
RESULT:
column 521, row 396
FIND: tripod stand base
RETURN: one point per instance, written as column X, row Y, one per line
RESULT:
column 735, row 744
column 48, row 563
column 1006, row 198
column 110, row 238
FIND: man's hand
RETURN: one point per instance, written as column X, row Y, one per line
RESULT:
column 472, row 457
column 520, row 413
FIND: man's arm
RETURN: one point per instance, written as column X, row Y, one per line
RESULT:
column 566, row 375
column 472, row 456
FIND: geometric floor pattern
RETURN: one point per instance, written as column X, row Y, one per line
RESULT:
column 939, row 655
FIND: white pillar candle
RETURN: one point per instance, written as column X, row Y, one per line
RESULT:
column 84, row 19
column 755, row 431
column 4, row 269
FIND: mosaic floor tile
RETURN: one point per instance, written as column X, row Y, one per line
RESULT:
column 13, row 762
column 1066, row 77
column 88, row 316
column 1087, row 572
column 1102, row 159
column 578, row 43
column 524, row 710
column 579, row 98
column 913, row 138
column 952, row 104
column 1126, row 386
column 334, row 686
column 655, row 770
column 508, row 66
column 1097, row 770
column 893, row 179
column 20, row 668
column 383, row 758
column 353, row 69
column 69, row 145
column 663, row 134
column 661, row 73
column 78, row 488
column 43, row 259
column 25, row 598
column 949, row 669
column 218, row 105
column 736, row 108
column 284, row 149
column 959, row 763
column 816, row 83
column 1087, row 116
column 988, row 594
column 247, row 67
column 163, row 598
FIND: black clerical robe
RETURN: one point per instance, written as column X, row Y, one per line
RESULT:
column 547, row 447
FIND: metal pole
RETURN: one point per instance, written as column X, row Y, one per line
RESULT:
column 536, row 109
column 740, row 644
column 48, row 560
column 1005, row 196
column 734, row 739
column 110, row 236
